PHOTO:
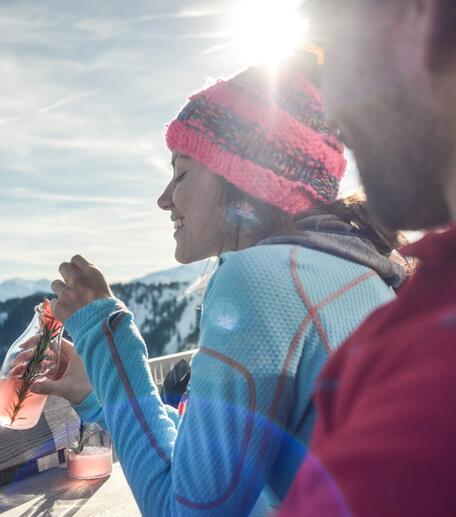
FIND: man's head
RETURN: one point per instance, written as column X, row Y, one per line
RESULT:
column 390, row 83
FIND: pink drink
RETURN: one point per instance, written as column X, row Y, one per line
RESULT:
column 33, row 356
column 92, row 463
column 31, row 409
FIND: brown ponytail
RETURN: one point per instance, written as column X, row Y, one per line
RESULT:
column 353, row 210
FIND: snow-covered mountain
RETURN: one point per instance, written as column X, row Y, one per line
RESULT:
column 20, row 288
column 165, row 306
column 166, row 314
column 187, row 273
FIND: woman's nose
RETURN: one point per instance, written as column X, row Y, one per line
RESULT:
column 165, row 201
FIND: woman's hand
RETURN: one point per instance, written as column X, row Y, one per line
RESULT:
column 83, row 283
column 72, row 382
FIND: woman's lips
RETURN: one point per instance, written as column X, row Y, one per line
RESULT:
column 178, row 225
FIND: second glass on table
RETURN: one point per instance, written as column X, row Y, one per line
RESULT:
column 89, row 451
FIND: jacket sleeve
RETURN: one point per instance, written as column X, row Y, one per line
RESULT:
column 90, row 410
column 233, row 426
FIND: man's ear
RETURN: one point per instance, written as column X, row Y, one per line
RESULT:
column 440, row 44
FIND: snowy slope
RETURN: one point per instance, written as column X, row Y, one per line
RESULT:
column 165, row 305
column 188, row 273
column 20, row 288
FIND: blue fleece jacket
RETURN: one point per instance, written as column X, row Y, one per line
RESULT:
column 271, row 316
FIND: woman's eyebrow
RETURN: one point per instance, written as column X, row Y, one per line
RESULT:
column 178, row 157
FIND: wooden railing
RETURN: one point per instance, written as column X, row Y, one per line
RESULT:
column 24, row 453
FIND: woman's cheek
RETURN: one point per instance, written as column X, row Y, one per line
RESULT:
column 179, row 194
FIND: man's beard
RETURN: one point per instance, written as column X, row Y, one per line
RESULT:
column 404, row 168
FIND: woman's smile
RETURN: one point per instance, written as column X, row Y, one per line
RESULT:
column 194, row 196
column 178, row 224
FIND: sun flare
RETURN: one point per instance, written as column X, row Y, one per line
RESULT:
column 267, row 31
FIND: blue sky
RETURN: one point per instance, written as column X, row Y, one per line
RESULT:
column 86, row 89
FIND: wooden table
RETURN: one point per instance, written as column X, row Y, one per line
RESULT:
column 51, row 493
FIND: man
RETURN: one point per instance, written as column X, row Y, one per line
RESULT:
column 385, row 440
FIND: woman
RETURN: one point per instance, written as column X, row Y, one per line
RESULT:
column 252, row 168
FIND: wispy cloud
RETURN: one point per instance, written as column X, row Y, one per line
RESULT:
column 8, row 120
column 108, row 27
column 24, row 193
column 33, row 24
column 48, row 108
column 216, row 48
column 115, row 146
column 203, row 35
column 66, row 100
column 200, row 11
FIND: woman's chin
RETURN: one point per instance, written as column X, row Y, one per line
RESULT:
column 187, row 257
column 182, row 257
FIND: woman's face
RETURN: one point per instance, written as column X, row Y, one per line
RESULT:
column 194, row 197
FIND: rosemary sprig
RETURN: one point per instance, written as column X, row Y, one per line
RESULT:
column 84, row 435
column 49, row 329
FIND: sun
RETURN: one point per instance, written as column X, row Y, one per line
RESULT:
column 267, row 31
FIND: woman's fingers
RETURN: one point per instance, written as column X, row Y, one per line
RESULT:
column 58, row 287
column 46, row 368
column 80, row 262
column 69, row 272
column 64, row 387
column 53, row 304
column 26, row 355
column 67, row 347
column 17, row 370
column 48, row 387
column 84, row 283
column 30, row 343
column 23, row 357
column 21, row 360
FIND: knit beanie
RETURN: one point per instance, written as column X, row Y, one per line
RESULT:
column 266, row 134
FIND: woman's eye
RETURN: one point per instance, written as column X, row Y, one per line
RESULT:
column 180, row 177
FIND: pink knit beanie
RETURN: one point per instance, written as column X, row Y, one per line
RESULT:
column 267, row 135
